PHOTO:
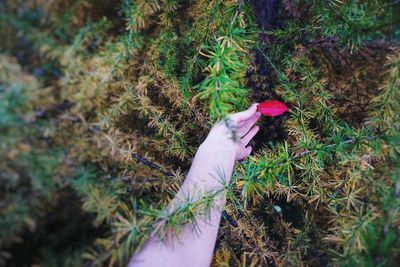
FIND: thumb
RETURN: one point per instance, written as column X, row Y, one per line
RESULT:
column 245, row 115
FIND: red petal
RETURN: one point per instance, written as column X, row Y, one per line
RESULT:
column 272, row 108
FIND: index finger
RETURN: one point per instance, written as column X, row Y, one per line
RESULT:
column 245, row 115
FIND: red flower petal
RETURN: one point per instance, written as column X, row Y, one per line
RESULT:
column 272, row 108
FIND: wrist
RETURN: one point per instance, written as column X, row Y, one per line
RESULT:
column 218, row 148
column 217, row 163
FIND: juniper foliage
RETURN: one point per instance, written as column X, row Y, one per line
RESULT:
column 103, row 105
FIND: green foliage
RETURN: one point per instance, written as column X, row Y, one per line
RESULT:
column 224, row 85
column 102, row 131
column 355, row 22
column 29, row 176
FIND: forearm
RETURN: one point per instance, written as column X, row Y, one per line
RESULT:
column 211, row 169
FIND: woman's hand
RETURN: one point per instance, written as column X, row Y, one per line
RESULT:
column 227, row 141
column 234, row 133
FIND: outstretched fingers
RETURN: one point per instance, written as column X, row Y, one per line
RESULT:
column 247, row 138
column 245, row 126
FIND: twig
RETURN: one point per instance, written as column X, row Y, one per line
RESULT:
column 150, row 164
column 231, row 221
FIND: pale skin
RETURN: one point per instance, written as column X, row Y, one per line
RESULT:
column 215, row 156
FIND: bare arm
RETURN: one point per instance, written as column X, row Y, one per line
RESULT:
column 213, row 162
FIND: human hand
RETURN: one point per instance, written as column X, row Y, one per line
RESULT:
column 234, row 133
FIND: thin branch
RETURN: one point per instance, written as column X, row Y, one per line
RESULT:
column 150, row 164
